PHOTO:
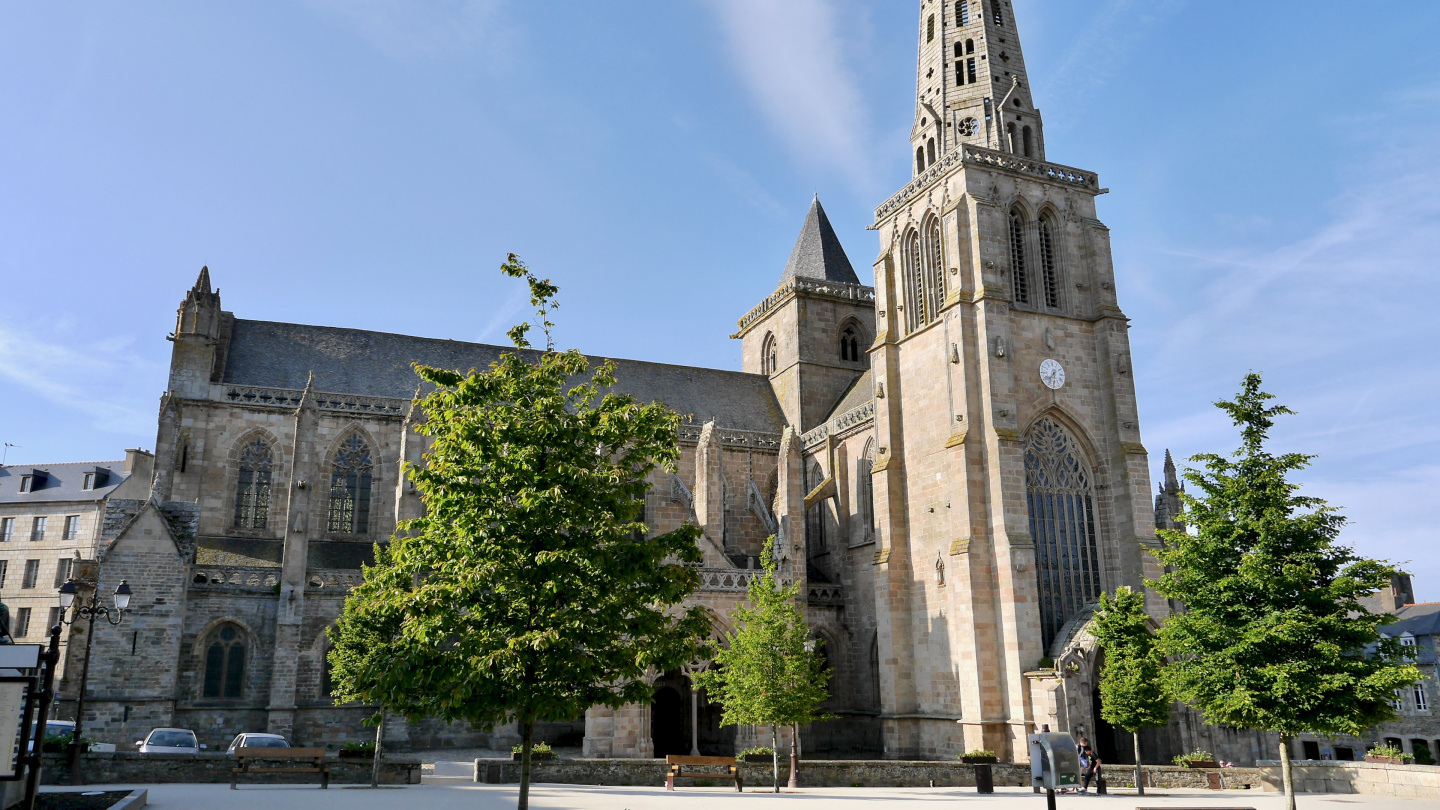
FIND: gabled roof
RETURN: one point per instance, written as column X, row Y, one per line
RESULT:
column 61, row 482
column 1417, row 620
column 818, row 254
column 354, row 361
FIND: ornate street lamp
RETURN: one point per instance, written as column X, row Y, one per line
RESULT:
column 88, row 609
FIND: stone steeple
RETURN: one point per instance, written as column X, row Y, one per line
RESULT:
column 970, row 64
column 1169, row 509
column 202, row 331
column 818, row 254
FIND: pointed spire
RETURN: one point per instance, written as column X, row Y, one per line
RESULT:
column 1172, row 481
column 818, row 254
column 202, row 284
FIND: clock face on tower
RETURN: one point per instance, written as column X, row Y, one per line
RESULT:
column 1052, row 374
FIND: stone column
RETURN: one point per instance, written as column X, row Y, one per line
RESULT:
column 290, row 615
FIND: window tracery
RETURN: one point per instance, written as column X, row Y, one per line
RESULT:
column 1048, row 268
column 934, row 270
column 225, row 663
column 815, row 515
column 350, row 478
column 1060, row 495
column 1018, row 266
column 252, row 486
column 865, row 483
column 849, row 344
column 768, row 356
column 914, row 285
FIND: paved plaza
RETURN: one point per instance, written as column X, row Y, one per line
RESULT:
column 569, row 797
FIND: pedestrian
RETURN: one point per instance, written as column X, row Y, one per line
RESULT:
column 1088, row 762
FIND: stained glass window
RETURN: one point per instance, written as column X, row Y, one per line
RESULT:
column 1061, row 496
column 350, row 487
column 225, row 663
column 252, row 487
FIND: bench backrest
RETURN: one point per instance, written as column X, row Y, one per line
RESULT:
column 280, row 753
column 674, row 759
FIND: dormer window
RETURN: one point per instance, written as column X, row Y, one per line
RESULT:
column 27, row 483
column 89, row 482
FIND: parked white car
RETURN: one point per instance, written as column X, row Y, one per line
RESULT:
column 253, row 740
column 169, row 741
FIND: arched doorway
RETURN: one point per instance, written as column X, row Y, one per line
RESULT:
column 670, row 716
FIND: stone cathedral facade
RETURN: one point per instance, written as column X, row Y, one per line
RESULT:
column 950, row 460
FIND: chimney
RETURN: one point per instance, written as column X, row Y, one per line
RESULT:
column 136, row 456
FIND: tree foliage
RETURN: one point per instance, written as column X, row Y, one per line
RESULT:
column 1273, row 635
column 768, row 672
column 1132, row 692
column 528, row 590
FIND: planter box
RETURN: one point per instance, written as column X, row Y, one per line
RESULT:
column 760, row 758
column 357, row 754
column 1384, row 760
column 979, row 760
column 1203, row 763
column 534, row 756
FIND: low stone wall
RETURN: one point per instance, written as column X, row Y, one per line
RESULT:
column 131, row 768
column 1369, row 778
column 847, row 773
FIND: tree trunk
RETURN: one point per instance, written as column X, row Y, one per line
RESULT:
column 379, row 738
column 774, row 757
column 1286, row 773
column 1139, row 769
column 527, row 736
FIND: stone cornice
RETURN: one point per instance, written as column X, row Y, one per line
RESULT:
column 990, row 159
column 832, row 290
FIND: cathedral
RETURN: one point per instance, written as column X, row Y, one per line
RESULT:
column 950, row 462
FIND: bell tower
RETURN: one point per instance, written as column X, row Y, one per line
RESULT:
column 1007, row 499
column 971, row 86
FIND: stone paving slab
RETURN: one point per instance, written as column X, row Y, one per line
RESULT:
column 568, row 797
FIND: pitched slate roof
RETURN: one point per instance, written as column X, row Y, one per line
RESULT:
column 1417, row 620
column 61, row 482
column 354, row 361
column 861, row 391
column 818, row 253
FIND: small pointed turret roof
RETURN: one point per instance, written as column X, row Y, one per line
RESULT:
column 202, row 284
column 818, row 254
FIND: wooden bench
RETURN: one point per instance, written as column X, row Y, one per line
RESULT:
column 678, row 764
column 298, row 760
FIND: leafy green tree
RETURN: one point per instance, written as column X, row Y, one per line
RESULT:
column 1132, row 690
column 528, row 591
column 769, row 673
column 1273, row 635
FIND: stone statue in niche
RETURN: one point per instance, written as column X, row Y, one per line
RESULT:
column 940, row 570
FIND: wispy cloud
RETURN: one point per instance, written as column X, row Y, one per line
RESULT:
column 428, row 28
column 790, row 55
column 506, row 316
column 1340, row 322
column 1100, row 47
column 106, row 384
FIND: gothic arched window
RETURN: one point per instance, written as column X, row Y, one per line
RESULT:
column 1049, row 271
column 970, row 47
column 1060, row 494
column 1020, row 272
column 865, row 484
column 1027, row 139
column 252, row 486
column 930, row 151
column 849, row 344
column 1012, row 139
column 225, row 663
column 768, row 357
column 914, row 286
column 815, row 515
column 920, row 160
column 350, row 473
column 934, row 270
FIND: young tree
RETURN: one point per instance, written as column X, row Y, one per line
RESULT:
column 1132, row 692
column 528, row 591
column 769, row 673
column 1273, row 635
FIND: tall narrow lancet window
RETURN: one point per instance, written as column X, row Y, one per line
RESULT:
column 865, row 486
column 920, row 160
column 815, row 515
column 1019, row 271
column 934, row 270
column 930, row 151
column 350, row 473
column 252, row 486
column 849, row 345
column 224, row 663
column 962, row 13
column 1060, row 493
column 999, row 13
column 915, row 315
column 769, row 361
column 1027, row 139
column 930, row 29
column 1048, row 269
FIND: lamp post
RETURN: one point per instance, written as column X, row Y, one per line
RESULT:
column 88, row 609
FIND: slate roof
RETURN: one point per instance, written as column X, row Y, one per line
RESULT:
column 1417, row 620
column 354, row 361
column 861, row 391
column 818, row 253
column 61, row 482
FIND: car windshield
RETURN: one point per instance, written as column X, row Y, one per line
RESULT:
column 172, row 739
column 58, row 729
column 265, row 742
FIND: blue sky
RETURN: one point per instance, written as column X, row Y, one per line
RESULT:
column 368, row 163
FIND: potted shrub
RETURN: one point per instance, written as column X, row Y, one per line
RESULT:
column 1197, row 759
column 1387, row 755
column 979, row 757
column 357, row 749
column 756, row 755
column 539, row 752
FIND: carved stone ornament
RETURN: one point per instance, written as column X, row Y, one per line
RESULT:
column 999, row 347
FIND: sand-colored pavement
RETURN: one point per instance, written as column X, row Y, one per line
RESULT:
column 569, row 797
